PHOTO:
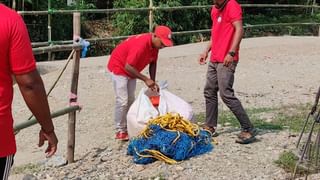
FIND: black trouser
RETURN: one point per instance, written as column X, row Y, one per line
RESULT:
column 220, row 78
column 5, row 166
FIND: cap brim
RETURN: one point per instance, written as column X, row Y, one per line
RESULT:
column 167, row 42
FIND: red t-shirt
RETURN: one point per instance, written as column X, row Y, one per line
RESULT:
column 16, row 57
column 222, row 31
column 137, row 51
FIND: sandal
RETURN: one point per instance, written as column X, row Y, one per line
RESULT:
column 210, row 129
column 247, row 137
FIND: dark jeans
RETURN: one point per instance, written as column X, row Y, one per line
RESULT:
column 220, row 78
column 5, row 166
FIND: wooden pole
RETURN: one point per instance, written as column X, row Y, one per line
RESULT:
column 150, row 16
column 55, row 114
column 14, row 4
column 49, row 30
column 307, row 3
column 313, row 4
column 74, row 91
column 56, row 48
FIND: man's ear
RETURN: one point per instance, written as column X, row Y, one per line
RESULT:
column 154, row 35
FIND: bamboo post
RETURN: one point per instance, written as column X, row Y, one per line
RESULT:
column 307, row 3
column 14, row 4
column 49, row 29
column 151, row 15
column 55, row 114
column 313, row 4
column 74, row 91
column 319, row 31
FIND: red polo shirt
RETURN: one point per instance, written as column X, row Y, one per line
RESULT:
column 222, row 31
column 16, row 57
column 137, row 51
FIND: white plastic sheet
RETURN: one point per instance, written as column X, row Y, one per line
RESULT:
column 142, row 110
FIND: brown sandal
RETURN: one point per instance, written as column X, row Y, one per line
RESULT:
column 210, row 129
column 247, row 137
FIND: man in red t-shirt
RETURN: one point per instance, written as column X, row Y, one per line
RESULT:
column 226, row 35
column 16, row 60
column 127, row 61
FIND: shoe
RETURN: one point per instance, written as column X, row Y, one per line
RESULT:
column 247, row 137
column 123, row 136
column 212, row 130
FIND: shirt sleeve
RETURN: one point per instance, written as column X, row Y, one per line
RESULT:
column 20, row 51
column 234, row 12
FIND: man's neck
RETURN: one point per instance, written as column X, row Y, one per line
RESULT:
column 220, row 4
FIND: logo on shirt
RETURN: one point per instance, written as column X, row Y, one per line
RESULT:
column 169, row 36
column 219, row 19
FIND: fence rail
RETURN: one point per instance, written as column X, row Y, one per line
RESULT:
column 109, row 11
column 151, row 9
column 55, row 114
column 56, row 48
column 95, row 40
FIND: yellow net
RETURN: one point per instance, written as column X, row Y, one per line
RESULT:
column 172, row 122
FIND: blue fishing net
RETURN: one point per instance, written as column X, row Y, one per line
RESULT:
column 173, row 144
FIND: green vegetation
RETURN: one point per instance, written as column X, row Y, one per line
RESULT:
column 128, row 23
column 287, row 160
column 291, row 117
column 179, row 20
column 26, row 169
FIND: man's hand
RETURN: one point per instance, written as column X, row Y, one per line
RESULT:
column 203, row 58
column 52, row 142
column 228, row 60
column 152, row 85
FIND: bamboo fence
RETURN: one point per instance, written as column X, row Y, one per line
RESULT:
column 151, row 9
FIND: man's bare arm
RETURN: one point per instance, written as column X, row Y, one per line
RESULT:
column 153, row 70
column 238, row 34
column 34, row 94
column 237, row 37
column 204, row 55
column 136, row 74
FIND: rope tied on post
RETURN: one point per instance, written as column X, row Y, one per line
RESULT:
column 84, row 44
column 73, row 100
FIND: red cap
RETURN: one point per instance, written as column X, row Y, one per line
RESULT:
column 164, row 33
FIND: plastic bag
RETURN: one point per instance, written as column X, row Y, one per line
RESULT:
column 174, row 104
column 142, row 109
column 139, row 113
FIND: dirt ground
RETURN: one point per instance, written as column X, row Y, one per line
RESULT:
column 273, row 72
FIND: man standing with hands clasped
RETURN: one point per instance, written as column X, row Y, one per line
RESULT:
column 17, row 60
column 226, row 35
